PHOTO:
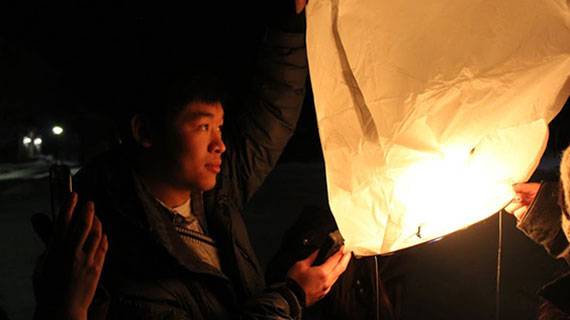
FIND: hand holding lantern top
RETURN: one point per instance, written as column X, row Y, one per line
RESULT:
column 525, row 194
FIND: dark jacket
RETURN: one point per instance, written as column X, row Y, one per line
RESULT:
column 148, row 272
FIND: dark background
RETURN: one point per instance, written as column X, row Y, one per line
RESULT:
column 76, row 63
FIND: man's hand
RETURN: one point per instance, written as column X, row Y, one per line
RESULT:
column 317, row 281
column 525, row 194
column 73, row 262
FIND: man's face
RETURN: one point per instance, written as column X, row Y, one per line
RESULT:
column 193, row 146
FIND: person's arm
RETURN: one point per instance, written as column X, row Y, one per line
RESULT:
column 540, row 216
column 261, row 131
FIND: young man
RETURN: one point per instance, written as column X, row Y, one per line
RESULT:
column 171, row 202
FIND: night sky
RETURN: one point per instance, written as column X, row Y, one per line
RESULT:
column 76, row 62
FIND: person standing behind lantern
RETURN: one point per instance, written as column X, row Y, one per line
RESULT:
column 542, row 211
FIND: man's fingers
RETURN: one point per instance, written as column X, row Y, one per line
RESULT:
column 342, row 264
column 526, row 192
column 81, row 226
column 337, row 270
column 511, row 207
column 327, row 291
column 531, row 187
column 65, row 216
column 94, row 238
column 520, row 212
column 99, row 260
column 333, row 260
column 70, row 208
column 102, row 250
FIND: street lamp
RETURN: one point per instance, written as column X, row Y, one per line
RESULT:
column 57, row 130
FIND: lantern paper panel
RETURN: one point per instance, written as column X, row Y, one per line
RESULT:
column 429, row 111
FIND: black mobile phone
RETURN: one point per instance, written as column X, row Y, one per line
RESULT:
column 60, row 187
column 332, row 244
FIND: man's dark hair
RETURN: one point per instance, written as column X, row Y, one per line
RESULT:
column 168, row 94
column 160, row 96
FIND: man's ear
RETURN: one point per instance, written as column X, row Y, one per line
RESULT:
column 140, row 131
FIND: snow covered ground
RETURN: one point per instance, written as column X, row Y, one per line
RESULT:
column 31, row 170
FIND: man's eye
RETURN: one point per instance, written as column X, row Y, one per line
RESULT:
column 204, row 127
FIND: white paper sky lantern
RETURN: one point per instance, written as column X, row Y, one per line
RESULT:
column 429, row 111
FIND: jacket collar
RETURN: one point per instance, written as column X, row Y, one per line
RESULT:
column 138, row 206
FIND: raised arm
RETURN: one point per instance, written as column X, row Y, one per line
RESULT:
column 255, row 141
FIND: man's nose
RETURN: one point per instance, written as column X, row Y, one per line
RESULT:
column 217, row 145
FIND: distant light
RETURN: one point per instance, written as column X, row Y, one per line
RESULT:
column 37, row 141
column 26, row 141
column 57, row 130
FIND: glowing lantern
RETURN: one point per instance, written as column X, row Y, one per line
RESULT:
column 429, row 111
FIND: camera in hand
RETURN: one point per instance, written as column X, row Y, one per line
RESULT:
column 332, row 244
